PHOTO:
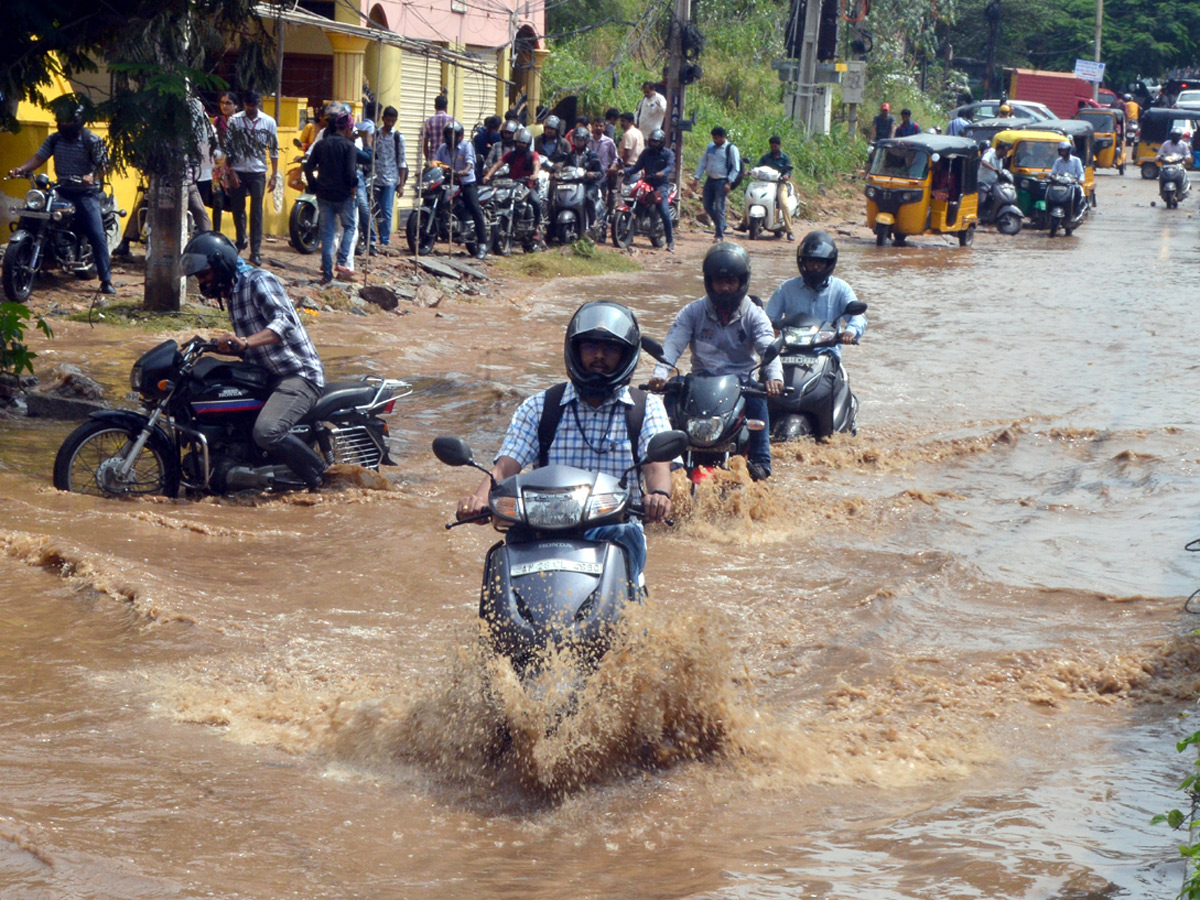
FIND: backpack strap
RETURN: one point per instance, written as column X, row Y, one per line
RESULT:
column 548, row 425
column 635, row 415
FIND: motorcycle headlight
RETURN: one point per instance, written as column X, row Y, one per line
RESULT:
column 704, row 430
column 35, row 200
column 135, row 377
column 554, row 509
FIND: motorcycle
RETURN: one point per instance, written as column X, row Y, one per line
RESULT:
column 45, row 237
column 761, row 208
column 513, row 204
column 817, row 399
column 195, row 431
column 443, row 214
column 546, row 587
column 637, row 213
column 577, row 211
column 1066, row 206
column 1173, row 182
column 711, row 411
column 998, row 205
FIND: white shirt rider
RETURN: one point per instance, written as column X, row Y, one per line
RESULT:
column 1069, row 166
column 1174, row 148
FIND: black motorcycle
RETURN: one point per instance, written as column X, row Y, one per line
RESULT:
column 1173, row 182
column 711, row 411
column 1066, row 206
column 45, row 237
column 196, row 429
column 513, row 206
column 998, row 205
column 443, row 213
column 546, row 586
column 817, row 400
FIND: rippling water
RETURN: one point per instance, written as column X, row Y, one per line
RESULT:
column 943, row 659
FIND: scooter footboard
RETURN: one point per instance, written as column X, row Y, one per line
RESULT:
column 561, row 593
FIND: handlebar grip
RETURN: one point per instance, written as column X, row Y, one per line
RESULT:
column 478, row 517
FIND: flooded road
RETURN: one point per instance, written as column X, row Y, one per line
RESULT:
column 944, row 659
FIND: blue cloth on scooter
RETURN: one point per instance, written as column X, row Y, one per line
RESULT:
column 630, row 536
column 794, row 297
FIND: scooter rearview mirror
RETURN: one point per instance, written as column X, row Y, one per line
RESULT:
column 855, row 308
column 453, row 451
column 654, row 348
column 772, row 351
column 666, row 445
column 296, row 143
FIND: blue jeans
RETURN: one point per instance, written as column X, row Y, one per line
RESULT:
column 714, row 203
column 90, row 223
column 630, row 536
column 329, row 213
column 364, row 211
column 385, row 202
column 664, row 212
column 759, row 450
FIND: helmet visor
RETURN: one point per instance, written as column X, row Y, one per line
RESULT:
column 601, row 321
column 194, row 263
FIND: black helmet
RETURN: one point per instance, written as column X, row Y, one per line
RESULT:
column 452, row 134
column 726, row 260
column 817, row 245
column 211, row 250
column 580, row 138
column 657, row 138
column 553, row 122
column 608, row 321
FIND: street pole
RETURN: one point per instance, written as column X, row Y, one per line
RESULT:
column 806, row 73
column 680, row 16
column 1099, row 27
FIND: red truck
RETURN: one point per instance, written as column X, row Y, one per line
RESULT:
column 1061, row 91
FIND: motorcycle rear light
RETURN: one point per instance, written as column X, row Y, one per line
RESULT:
column 388, row 409
column 756, row 424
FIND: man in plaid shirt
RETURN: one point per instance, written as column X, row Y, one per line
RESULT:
column 601, row 350
column 267, row 332
column 431, row 135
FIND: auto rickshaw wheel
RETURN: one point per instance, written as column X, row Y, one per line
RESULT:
column 966, row 237
column 1149, row 171
column 897, row 240
column 1053, row 226
column 881, row 235
column 1121, row 169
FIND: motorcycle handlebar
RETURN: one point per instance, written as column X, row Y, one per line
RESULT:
column 478, row 517
column 636, row 509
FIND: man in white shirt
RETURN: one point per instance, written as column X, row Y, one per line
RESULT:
column 651, row 112
column 252, row 137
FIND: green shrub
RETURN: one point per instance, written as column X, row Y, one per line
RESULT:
column 15, row 357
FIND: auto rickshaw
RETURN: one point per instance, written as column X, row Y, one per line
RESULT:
column 1033, row 153
column 1154, row 125
column 923, row 184
column 986, row 129
column 1109, row 124
column 1082, row 135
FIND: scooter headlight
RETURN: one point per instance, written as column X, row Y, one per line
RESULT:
column 704, row 431
column 799, row 337
column 545, row 509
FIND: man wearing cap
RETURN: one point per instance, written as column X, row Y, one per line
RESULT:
column 883, row 125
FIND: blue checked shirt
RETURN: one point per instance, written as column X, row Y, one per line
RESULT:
column 259, row 301
column 604, row 428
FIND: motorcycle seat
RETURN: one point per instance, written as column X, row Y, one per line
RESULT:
column 339, row 395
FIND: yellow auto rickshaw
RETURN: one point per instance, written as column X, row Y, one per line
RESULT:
column 923, row 184
column 1108, row 124
column 1083, row 137
column 1032, row 154
column 1153, row 127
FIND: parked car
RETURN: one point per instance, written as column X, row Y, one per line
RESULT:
column 1188, row 100
column 1021, row 109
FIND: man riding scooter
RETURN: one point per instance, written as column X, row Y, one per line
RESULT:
column 1068, row 164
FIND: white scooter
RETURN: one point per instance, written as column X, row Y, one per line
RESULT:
column 762, row 212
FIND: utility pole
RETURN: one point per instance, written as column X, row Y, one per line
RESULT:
column 1099, row 28
column 804, row 110
column 681, row 14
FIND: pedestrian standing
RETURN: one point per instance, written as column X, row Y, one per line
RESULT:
column 907, row 127
column 332, row 173
column 651, row 109
column 721, row 165
column 435, row 125
column 391, row 172
column 883, row 126
column 604, row 148
column 252, row 137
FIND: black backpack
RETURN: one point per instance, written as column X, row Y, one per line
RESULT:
column 741, row 174
column 552, row 415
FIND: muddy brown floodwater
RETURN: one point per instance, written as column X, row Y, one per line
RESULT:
column 947, row 658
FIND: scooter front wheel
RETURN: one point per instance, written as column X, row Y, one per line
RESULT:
column 1053, row 226
column 1008, row 223
column 302, row 227
column 756, row 226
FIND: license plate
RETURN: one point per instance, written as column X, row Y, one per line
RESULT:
column 796, row 360
column 557, row 565
column 33, row 214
